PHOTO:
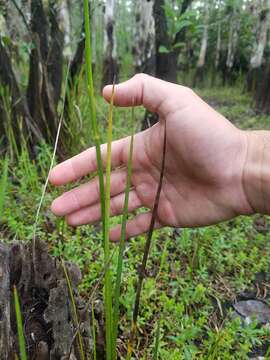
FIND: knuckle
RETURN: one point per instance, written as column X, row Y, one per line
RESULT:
column 141, row 76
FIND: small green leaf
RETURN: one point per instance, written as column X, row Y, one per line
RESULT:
column 163, row 50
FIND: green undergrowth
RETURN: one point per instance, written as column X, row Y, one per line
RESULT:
column 193, row 275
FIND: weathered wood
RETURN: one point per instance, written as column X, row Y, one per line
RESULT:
column 48, row 319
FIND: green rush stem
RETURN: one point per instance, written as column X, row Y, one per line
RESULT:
column 157, row 339
column 122, row 247
column 93, row 116
column 3, row 186
column 146, row 252
column 19, row 324
column 74, row 309
column 108, row 277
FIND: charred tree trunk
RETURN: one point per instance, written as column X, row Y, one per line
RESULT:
column 167, row 63
column 48, row 319
column 110, row 65
column 45, row 73
column 19, row 107
column 144, row 38
column 40, row 98
column 55, row 58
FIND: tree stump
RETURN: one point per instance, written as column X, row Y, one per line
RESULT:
column 49, row 329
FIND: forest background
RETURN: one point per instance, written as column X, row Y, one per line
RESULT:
column 220, row 48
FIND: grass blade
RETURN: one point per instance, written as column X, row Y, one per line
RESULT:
column 74, row 310
column 146, row 252
column 122, row 247
column 157, row 338
column 93, row 116
column 3, row 186
column 19, row 325
column 108, row 277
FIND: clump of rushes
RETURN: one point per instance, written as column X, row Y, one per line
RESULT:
column 122, row 247
column 19, row 324
column 147, row 246
column 3, row 186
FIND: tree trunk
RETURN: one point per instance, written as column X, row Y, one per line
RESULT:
column 167, row 63
column 110, row 65
column 19, row 107
column 256, row 59
column 65, row 24
column 144, row 38
column 45, row 72
column 199, row 74
column 49, row 322
column 218, row 47
column 55, row 57
column 262, row 94
column 232, row 43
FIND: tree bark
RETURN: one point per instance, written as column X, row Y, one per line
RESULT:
column 258, row 50
column 19, row 107
column 45, row 72
column 167, row 63
column 199, row 74
column 48, row 319
column 110, row 65
column 218, row 47
column 144, row 38
column 256, row 61
column 232, row 43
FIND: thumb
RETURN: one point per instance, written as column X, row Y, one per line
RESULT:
column 152, row 93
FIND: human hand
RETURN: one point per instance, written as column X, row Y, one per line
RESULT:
column 205, row 159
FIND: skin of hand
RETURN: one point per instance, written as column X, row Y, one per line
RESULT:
column 205, row 160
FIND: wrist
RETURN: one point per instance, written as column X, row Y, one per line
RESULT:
column 256, row 173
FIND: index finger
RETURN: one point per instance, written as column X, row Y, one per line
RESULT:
column 85, row 163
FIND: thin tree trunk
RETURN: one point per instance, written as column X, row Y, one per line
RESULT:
column 203, row 49
column 167, row 63
column 144, row 42
column 258, row 51
column 64, row 19
column 55, row 56
column 255, row 75
column 19, row 107
column 232, row 42
column 218, row 47
column 110, row 66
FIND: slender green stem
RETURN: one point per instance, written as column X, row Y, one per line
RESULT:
column 3, row 186
column 157, row 339
column 19, row 325
column 122, row 247
column 93, row 116
column 108, row 277
column 74, row 310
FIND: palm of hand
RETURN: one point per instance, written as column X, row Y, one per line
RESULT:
column 199, row 171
